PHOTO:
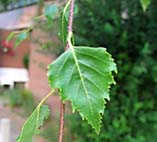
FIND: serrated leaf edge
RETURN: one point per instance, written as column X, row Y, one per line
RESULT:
column 86, row 92
column 72, row 48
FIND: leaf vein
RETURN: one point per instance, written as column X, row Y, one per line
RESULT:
column 91, row 68
column 92, row 56
column 70, row 75
column 61, row 67
column 82, row 79
column 93, row 84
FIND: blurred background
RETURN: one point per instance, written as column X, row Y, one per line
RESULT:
column 122, row 27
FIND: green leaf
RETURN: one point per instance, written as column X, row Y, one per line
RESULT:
column 83, row 76
column 21, row 37
column 33, row 124
column 10, row 36
column 145, row 4
column 63, row 31
column 50, row 11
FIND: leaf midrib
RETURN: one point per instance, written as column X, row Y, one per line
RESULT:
column 81, row 77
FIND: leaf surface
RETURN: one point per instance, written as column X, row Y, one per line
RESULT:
column 63, row 24
column 83, row 76
column 145, row 4
column 21, row 37
column 50, row 11
column 10, row 36
column 33, row 124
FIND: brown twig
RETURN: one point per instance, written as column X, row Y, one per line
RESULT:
column 70, row 24
column 71, row 16
column 61, row 127
column 62, row 108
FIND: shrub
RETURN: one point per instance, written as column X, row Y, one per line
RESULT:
column 21, row 98
column 131, row 116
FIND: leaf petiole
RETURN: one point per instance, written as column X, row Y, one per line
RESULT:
column 45, row 98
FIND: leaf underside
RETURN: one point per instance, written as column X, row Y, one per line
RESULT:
column 33, row 124
column 84, row 75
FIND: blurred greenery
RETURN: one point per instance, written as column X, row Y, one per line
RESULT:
column 50, row 132
column 21, row 98
column 26, row 60
column 52, row 44
column 129, row 34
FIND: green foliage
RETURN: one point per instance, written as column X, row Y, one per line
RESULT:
column 145, row 4
column 33, row 124
column 50, row 132
column 4, row 3
column 21, row 98
column 89, row 70
column 131, row 115
column 63, row 22
column 28, row 102
column 50, row 11
column 86, row 78
column 10, row 36
column 90, row 73
column 21, row 37
column 15, row 97
column 134, row 121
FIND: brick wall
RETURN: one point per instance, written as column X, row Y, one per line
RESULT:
column 39, row 61
column 38, row 82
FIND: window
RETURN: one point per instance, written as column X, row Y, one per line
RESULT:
column 11, row 77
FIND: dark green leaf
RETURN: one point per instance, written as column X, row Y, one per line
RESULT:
column 33, row 124
column 83, row 76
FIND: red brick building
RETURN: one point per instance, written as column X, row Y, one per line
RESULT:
column 37, row 71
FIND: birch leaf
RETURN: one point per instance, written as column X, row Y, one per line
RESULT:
column 84, row 75
column 33, row 124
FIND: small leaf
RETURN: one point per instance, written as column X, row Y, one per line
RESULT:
column 83, row 76
column 50, row 11
column 21, row 37
column 10, row 36
column 63, row 31
column 145, row 4
column 33, row 124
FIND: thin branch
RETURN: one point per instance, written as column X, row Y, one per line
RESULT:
column 62, row 108
column 70, row 24
column 61, row 127
column 71, row 16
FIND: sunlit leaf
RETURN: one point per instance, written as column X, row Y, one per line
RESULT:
column 83, row 76
column 145, row 4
